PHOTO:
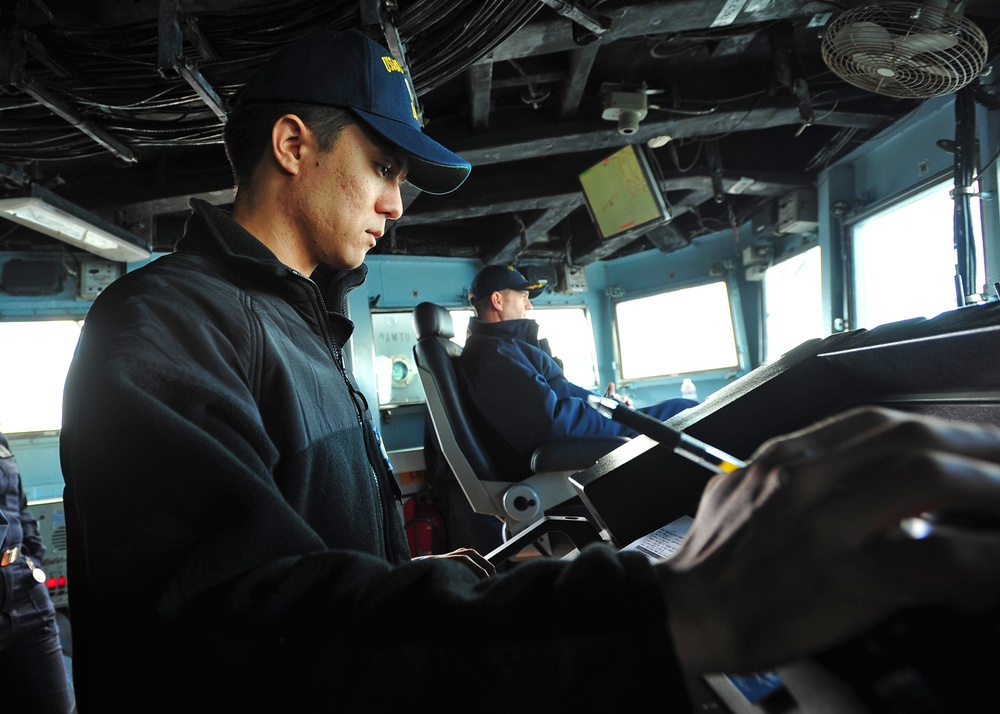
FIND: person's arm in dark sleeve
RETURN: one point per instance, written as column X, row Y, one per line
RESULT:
column 588, row 634
column 31, row 539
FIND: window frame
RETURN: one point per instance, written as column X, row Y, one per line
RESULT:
column 940, row 181
column 35, row 356
column 406, row 349
column 739, row 337
column 591, row 343
column 766, row 356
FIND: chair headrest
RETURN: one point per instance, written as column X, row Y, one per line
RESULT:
column 430, row 320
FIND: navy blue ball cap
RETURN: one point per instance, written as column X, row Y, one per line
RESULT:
column 351, row 71
column 493, row 278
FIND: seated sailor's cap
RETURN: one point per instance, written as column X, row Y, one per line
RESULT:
column 503, row 277
column 348, row 70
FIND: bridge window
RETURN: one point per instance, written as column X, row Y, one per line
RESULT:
column 35, row 358
column 793, row 303
column 396, row 376
column 567, row 329
column 676, row 332
column 571, row 339
column 904, row 259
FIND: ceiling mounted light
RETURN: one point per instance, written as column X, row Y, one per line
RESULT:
column 48, row 213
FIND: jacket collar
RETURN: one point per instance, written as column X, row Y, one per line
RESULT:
column 524, row 329
column 212, row 231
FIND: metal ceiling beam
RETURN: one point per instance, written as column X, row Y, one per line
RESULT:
column 480, row 83
column 642, row 18
column 590, row 21
column 192, row 31
column 524, row 196
column 507, row 252
column 140, row 218
column 551, row 204
column 40, row 52
column 580, row 137
column 171, row 59
column 12, row 73
column 14, row 173
column 580, row 63
column 41, row 94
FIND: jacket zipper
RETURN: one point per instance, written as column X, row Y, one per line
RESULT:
column 354, row 394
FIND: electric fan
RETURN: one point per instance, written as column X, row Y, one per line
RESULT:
column 906, row 50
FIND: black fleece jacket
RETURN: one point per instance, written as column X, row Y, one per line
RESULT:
column 234, row 537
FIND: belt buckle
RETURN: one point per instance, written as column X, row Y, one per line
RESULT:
column 10, row 556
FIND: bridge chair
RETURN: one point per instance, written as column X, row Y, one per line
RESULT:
column 521, row 505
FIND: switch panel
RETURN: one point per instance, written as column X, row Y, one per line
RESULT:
column 95, row 275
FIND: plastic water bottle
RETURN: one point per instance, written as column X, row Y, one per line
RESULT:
column 688, row 390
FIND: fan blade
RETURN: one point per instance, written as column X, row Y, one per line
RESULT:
column 863, row 37
column 924, row 42
column 883, row 65
column 943, row 71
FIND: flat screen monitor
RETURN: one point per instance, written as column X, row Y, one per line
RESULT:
column 622, row 194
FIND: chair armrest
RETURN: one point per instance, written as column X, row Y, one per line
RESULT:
column 573, row 453
column 580, row 531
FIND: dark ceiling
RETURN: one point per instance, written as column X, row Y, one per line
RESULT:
column 115, row 105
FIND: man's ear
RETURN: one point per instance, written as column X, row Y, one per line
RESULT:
column 288, row 135
column 496, row 300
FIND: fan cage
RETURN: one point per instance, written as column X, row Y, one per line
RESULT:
column 905, row 50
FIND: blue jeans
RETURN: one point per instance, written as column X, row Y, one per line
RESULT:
column 32, row 672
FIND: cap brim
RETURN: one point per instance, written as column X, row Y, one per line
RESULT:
column 536, row 289
column 433, row 168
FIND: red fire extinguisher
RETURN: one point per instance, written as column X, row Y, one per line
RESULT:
column 424, row 525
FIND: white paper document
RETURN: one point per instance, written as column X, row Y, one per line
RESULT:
column 663, row 542
column 741, row 693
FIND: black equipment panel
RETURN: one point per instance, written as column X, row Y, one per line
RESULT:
column 921, row 660
column 943, row 366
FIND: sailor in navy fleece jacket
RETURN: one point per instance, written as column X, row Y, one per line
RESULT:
column 519, row 395
column 235, row 536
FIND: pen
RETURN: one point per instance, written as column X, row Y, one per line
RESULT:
column 687, row 446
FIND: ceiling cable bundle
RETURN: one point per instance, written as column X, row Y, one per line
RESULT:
column 109, row 78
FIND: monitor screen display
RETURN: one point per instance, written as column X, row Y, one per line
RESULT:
column 622, row 195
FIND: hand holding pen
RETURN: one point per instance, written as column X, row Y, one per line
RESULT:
column 716, row 460
column 821, row 511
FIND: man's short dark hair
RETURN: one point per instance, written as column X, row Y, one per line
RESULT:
column 247, row 134
column 483, row 304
